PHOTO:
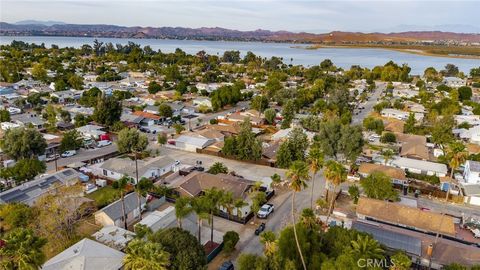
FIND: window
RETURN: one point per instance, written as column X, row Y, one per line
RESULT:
column 105, row 172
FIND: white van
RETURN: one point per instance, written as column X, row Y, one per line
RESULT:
column 103, row 143
column 69, row 153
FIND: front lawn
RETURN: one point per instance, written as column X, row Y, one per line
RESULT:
column 104, row 196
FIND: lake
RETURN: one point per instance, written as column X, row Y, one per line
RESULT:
column 341, row 57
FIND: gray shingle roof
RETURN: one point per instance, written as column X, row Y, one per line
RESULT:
column 114, row 210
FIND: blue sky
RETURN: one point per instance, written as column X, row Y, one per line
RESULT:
column 310, row 16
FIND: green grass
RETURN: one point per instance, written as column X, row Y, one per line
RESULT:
column 104, row 196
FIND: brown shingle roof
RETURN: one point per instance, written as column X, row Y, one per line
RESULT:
column 395, row 173
column 395, row 213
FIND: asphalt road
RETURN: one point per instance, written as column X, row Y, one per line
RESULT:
column 368, row 106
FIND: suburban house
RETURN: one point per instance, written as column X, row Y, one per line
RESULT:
column 211, row 134
column 158, row 220
column 471, row 193
column 67, row 95
column 283, row 134
column 421, row 166
column 405, row 216
column 471, row 173
column 202, row 101
column 473, row 120
column 252, row 115
column 148, row 119
column 28, row 119
column 454, row 82
column 112, row 214
column 116, row 168
column 114, row 237
column 191, row 142
column 91, row 131
column 30, row 191
column 471, row 135
column 413, row 146
column 86, row 255
column 397, row 175
column 400, row 115
column 195, row 183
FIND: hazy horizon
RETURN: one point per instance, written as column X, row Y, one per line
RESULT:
column 295, row 16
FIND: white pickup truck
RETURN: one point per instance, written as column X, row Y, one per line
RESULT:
column 265, row 210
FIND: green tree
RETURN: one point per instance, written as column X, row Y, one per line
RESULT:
column 379, row 186
column 365, row 247
column 456, row 155
column 162, row 138
column 293, row 148
column 288, row 113
column 248, row 261
column 71, row 140
column 185, row 251
column 335, row 174
column 354, row 193
column 388, row 137
column 464, row 93
column 298, row 176
column 217, row 168
column 90, row 97
column 121, row 184
column 145, row 255
column 248, row 146
column 230, row 239
column 371, row 123
column 15, row 215
column 409, row 126
column 387, row 155
column 154, row 87
column 75, row 81
column 142, row 188
column 4, row 116
column 39, row 72
column 258, row 198
column 22, row 250
column 200, row 205
column 230, row 146
column 182, row 209
column 400, row 261
column 50, row 114
column 259, row 103
column 351, row 142
column 24, row 169
column 165, row 110
column 178, row 128
column 270, row 115
column 107, row 111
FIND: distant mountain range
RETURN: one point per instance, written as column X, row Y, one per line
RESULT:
column 50, row 28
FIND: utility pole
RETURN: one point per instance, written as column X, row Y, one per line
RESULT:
column 55, row 154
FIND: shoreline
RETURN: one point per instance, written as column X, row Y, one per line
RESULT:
column 404, row 50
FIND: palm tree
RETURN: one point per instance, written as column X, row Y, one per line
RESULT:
column 214, row 199
column 142, row 187
column 308, row 218
column 22, row 250
column 228, row 202
column 239, row 204
column 182, row 209
column 315, row 159
column 456, row 156
column 121, row 184
column 335, row 174
column 146, row 256
column 387, row 155
column 367, row 248
column 298, row 175
column 200, row 207
column 270, row 244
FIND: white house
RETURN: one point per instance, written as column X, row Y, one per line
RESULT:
column 472, row 134
column 192, row 143
column 472, row 193
column 421, row 166
column 116, row 168
column 158, row 220
column 471, row 173
column 454, row 82
column 91, row 131
column 64, row 96
column 400, row 115
column 112, row 214
column 202, row 101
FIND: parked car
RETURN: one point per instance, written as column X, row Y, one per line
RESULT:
column 103, row 143
column 260, row 229
column 228, row 265
column 177, row 162
column 52, row 157
column 69, row 153
column 265, row 210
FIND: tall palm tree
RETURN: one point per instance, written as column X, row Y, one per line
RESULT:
column 146, row 256
column 315, row 159
column 257, row 197
column 298, row 175
column 121, row 185
column 142, row 187
column 228, row 202
column 335, row 174
column 200, row 207
column 270, row 243
column 182, row 209
column 367, row 248
column 22, row 250
column 238, row 205
column 214, row 200
column 308, row 218
column 456, row 155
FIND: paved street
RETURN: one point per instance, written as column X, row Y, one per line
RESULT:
column 368, row 106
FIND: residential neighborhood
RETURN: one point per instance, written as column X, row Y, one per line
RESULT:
column 113, row 157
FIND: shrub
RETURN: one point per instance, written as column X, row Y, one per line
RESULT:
column 230, row 239
column 388, row 137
